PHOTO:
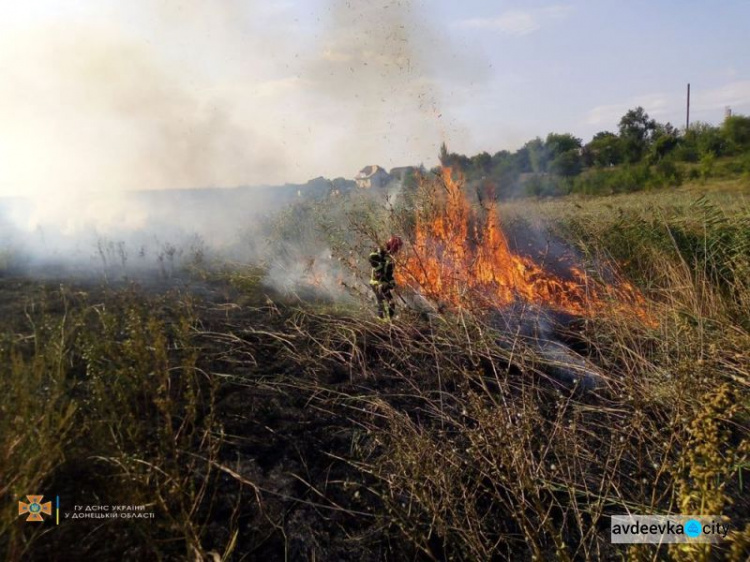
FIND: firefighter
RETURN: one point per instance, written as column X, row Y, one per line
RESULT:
column 381, row 280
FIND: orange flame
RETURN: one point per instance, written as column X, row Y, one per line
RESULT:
column 463, row 261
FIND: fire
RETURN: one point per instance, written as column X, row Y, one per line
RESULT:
column 464, row 261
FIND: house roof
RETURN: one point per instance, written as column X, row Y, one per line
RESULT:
column 368, row 172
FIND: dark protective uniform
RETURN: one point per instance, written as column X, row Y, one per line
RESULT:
column 383, row 282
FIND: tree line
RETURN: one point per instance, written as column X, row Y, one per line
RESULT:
column 642, row 154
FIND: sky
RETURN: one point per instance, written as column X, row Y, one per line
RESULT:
column 108, row 96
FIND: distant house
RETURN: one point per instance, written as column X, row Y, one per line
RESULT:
column 372, row 176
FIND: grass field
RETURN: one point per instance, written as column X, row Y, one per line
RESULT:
column 257, row 425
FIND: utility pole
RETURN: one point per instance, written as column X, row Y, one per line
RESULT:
column 687, row 119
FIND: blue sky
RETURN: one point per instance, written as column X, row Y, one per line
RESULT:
column 107, row 96
column 577, row 67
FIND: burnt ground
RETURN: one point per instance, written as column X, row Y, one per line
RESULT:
column 283, row 477
column 288, row 435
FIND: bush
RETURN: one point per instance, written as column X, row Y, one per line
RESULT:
column 686, row 152
column 624, row 179
column 544, row 185
column 706, row 165
column 667, row 175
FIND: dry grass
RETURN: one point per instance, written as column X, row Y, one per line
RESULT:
column 485, row 458
column 260, row 427
column 106, row 400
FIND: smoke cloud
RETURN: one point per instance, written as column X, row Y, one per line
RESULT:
column 101, row 101
column 92, row 110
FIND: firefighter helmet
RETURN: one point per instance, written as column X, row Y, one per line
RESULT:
column 393, row 245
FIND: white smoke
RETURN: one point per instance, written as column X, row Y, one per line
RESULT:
column 100, row 100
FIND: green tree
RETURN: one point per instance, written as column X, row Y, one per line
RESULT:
column 566, row 164
column 736, row 131
column 506, row 168
column 481, row 163
column 706, row 138
column 523, row 160
column 556, row 143
column 605, row 149
column 564, row 153
column 636, row 132
column 502, row 158
column 665, row 140
column 538, row 155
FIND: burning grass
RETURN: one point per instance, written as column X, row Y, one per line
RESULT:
column 463, row 259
